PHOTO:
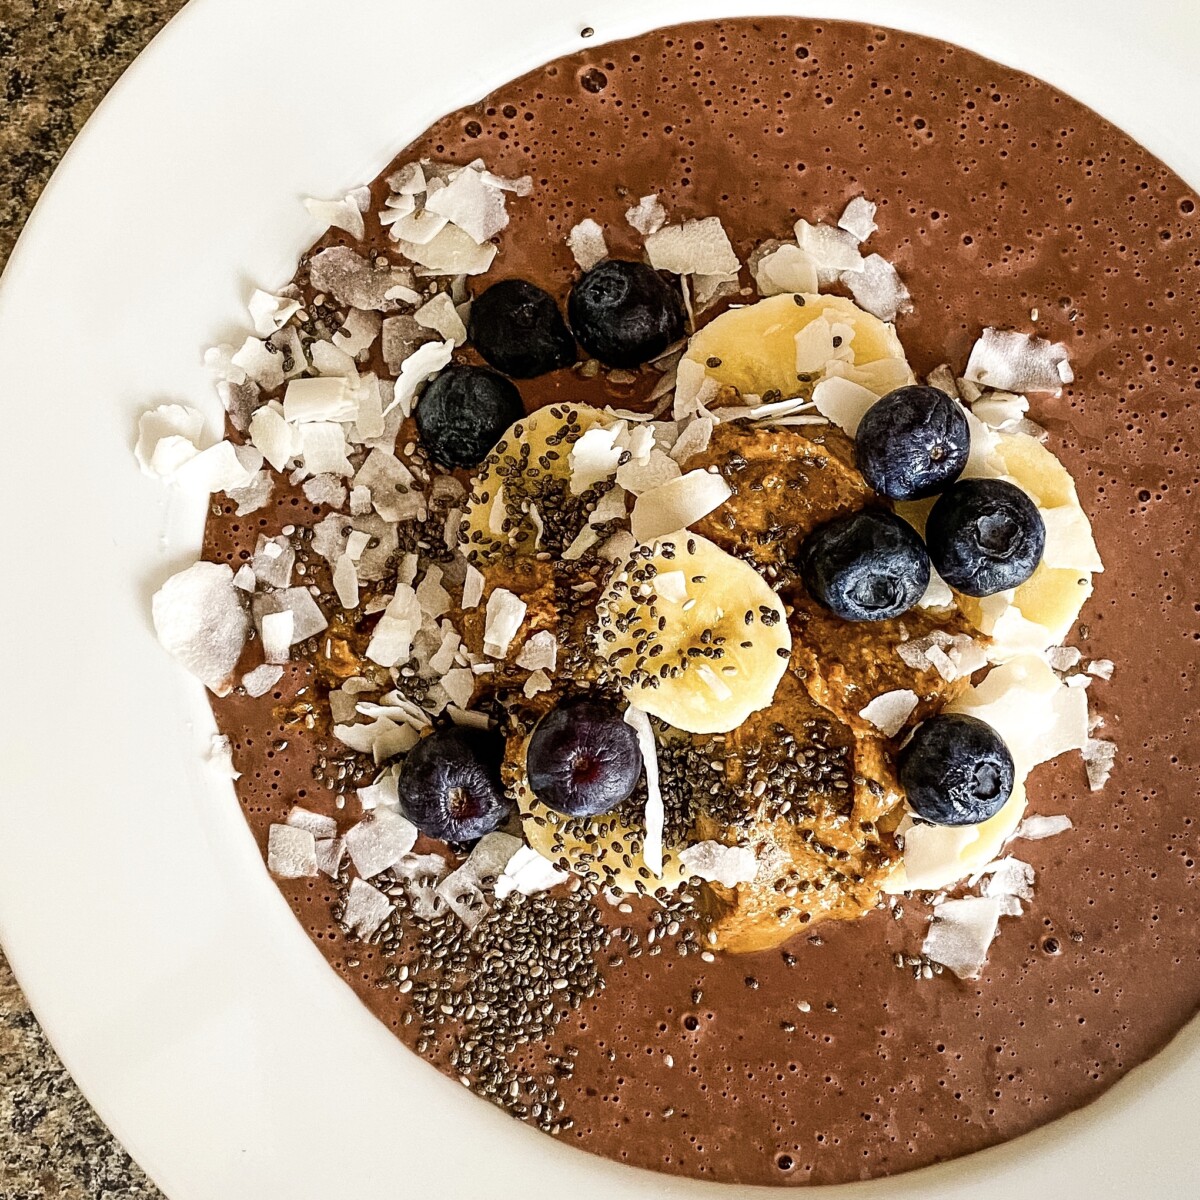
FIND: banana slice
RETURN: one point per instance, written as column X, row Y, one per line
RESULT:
column 524, row 480
column 606, row 849
column 693, row 635
column 1042, row 611
column 783, row 346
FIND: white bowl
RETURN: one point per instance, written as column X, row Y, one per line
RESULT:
column 166, row 968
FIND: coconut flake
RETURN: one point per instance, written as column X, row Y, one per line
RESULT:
column 727, row 865
column 422, row 365
column 647, row 216
column 1099, row 756
column 786, row 269
column 505, row 613
column 201, row 619
column 291, row 853
column 341, row 214
column 470, row 204
column 582, row 542
column 529, row 873
column 1034, row 828
column 382, row 739
column 270, row 313
column 1069, row 540
column 594, row 457
column 350, row 278
column 693, row 248
column 635, row 477
column 1008, row 877
column 587, row 245
column 345, row 582
column 357, row 332
column 440, row 315
column 383, row 793
column 278, row 441
column 325, row 489
column 858, row 218
column 330, row 852
column 465, row 891
column 652, row 846
column 677, row 504
column 540, row 652
column 1101, row 668
column 1000, row 410
column 889, row 711
column 431, row 595
column 277, row 635
column 451, row 252
column 961, row 932
column 391, row 643
column 366, row 909
column 273, row 561
column 308, row 619
column 472, row 588
column 323, row 448
column 1017, row 362
column 1063, row 658
column 378, row 841
column 262, row 679
column 318, row 825
column 168, row 437
column 220, row 468
column 815, row 348
column 843, row 402
column 693, row 440
column 877, row 287
column 255, row 495
column 937, row 594
column 459, row 684
column 833, row 251
column 953, row 656
column 260, row 363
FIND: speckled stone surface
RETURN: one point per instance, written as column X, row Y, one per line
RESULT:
column 56, row 62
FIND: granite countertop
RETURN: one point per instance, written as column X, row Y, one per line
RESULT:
column 56, row 62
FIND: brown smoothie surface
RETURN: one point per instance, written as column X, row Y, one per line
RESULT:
column 998, row 195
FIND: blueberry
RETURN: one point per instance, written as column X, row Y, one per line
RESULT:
column 450, row 784
column 463, row 412
column 867, row 566
column 956, row 770
column 985, row 535
column 518, row 329
column 912, row 443
column 583, row 759
column 625, row 313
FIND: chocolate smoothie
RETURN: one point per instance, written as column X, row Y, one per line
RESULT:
column 999, row 198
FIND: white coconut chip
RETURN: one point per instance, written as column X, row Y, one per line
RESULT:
column 440, row 315
column 343, row 214
column 587, row 245
column 677, row 504
column 1017, row 362
column 815, row 348
column 220, row 468
column 1069, row 540
column 693, row 440
column 583, row 541
column 695, row 390
column 291, row 853
column 842, row 402
column 727, row 865
column 431, row 595
column 1008, row 877
column 1034, row 828
column 833, row 251
column 470, row 204
column 317, row 824
column 652, row 845
column 357, row 332
column 392, row 641
column 260, row 363
column 460, row 686
column 220, row 754
column 858, row 218
column 168, row 437
column 522, row 185
column 273, row 561
column 382, row 739
column 1099, row 756
column 414, row 225
column 961, row 932
column 422, row 365
column 451, row 252
column 540, row 652
column 330, row 852
column 693, row 248
column 1000, row 410
column 245, row 578
column 528, row 873
column 953, row 656
column 325, row 489
column 937, row 594
column 378, row 841
column 889, row 711
column 1101, row 668
column 366, row 909
column 350, row 278
column 465, row 890
column 611, row 506
column 877, row 287
column 277, row 630
column 394, row 493
column 636, row 478
column 647, row 216
column 262, row 679
column 270, row 313
column 472, row 588
column 308, row 619
column 201, row 619
column 1063, row 658
column 254, row 496
column 708, row 289
column 505, row 613
column 594, row 457
column 383, row 793
column 278, row 441
column 323, row 448
column 537, row 682
column 787, row 269
column 345, row 582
